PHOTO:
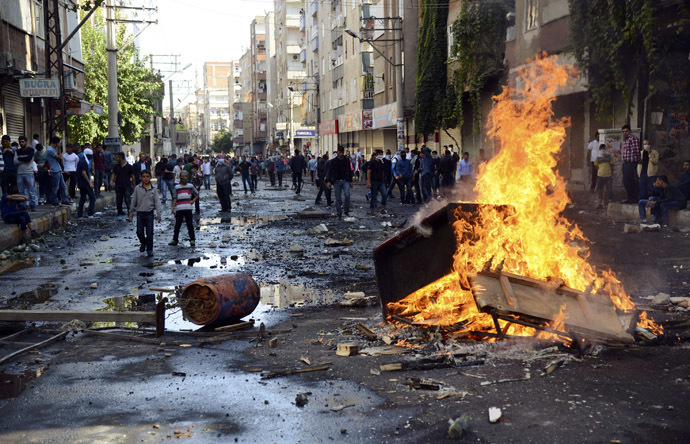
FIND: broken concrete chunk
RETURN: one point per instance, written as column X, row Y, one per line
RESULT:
column 321, row 228
column 494, row 414
column 330, row 242
column 628, row 228
column 301, row 399
column 350, row 220
column 94, row 285
column 347, row 349
column 661, row 299
column 650, row 227
column 294, row 248
column 104, row 238
column 212, row 245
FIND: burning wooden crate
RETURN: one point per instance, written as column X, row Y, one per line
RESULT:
column 424, row 254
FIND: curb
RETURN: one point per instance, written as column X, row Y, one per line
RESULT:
column 11, row 236
column 629, row 213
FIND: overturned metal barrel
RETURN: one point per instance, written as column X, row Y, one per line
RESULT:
column 219, row 300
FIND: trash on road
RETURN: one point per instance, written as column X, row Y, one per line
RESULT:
column 494, row 414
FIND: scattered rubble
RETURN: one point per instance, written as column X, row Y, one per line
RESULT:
column 494, row 414
column 661, row 299
column 330, row 242
column 458, row 426
column 629, row 228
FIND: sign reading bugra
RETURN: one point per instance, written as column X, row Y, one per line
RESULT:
column 39, row 87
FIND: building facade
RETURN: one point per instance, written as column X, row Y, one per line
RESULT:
column 216, row 100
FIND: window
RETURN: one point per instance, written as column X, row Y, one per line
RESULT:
column 531, row 14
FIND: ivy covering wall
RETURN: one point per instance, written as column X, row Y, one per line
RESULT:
column 432, row 50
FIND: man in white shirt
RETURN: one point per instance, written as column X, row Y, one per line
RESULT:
column 69, row 162
column 465, row 171
column 593, row 154
column 206, row 170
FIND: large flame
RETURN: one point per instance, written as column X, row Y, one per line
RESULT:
column 533, row 239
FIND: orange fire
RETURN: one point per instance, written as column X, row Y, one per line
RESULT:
column 533, row 239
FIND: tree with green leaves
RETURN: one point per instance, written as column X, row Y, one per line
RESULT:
column 431, row 66
column 222, row 142
column 138, row 86
column 622, row 46
column 478, row 50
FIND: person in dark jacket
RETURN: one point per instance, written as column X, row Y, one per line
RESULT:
column 673, row 199
column 298, row 165
column 339, row 174
column 244, row 167
column 321, row 167
column 447, row 171
column 223, row 185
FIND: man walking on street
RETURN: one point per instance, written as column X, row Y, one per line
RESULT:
column 122, row 181
column 244, row 167
column 375, row 182
column 69, row 162
column 340, row 175
column 321, row 172
column 223, row 184
column 593, row 155
column 631, row 157
column 85, row 185
column 297, row 165
column 206, row 171
column 185, row 196
column 145, row 202
column 98, row 169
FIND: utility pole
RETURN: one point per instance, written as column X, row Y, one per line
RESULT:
column 173, row 135
column 292, row 130
column 399, row 94
column 111, row 42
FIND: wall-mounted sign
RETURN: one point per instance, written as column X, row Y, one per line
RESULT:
column 39, row 87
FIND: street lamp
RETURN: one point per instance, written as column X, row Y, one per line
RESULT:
column 173, row 130
column 400, row 109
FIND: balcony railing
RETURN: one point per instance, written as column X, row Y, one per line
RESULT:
column 314, row 7
column 302, row 22
column 315, row 44
column 303, row 56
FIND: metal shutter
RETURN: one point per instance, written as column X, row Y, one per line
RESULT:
column 14, row 111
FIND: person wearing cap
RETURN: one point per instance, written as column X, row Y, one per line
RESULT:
column 85, row 184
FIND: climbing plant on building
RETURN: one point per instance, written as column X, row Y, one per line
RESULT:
column 431, row 65
column 477, row 53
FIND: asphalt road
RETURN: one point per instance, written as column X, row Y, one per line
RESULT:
column 93, row 389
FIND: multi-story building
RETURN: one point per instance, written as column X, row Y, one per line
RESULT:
column 242, row 109
column 217, row 111
column 309, row 88
column 291, row 72
column 235, row 98
column 271, row 83
column 258, row 85
column 22, row 56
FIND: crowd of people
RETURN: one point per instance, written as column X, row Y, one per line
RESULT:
column 33, row 175
column 639, row 175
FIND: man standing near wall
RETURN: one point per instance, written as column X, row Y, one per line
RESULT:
column 631, row 157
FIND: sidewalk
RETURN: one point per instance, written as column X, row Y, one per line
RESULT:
column 46, row 218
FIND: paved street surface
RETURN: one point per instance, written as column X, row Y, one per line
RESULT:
column 89, row 389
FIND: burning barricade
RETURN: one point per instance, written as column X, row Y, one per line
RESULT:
column 510, row 264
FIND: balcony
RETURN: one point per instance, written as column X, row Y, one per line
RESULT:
column 315, row 44
column 314, row 7
column 302, row 22
column 293, row 49
column 303, row 56
column 292, row 21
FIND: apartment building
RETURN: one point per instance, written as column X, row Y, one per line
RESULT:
column 291, row 73
column 242, row 109
column 216, row 101
column 235, row 97
column 258, row 86
column 271, row 85
column 22, row 57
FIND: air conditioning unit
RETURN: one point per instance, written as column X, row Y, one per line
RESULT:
column 70, row 83
column 295, row 57
column 6, row 60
